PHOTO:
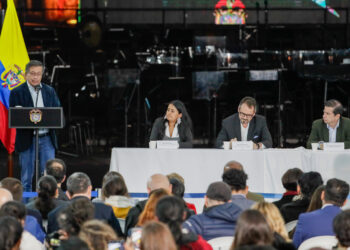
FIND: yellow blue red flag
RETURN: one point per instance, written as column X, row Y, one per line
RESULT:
column 13, row 58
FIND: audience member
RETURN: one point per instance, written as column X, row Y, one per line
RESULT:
column 71, row 218
column 307, row 184
column 15, row 187
column 237, row 165
column 10, row 233
column 115, row 194
column 156, row 181
column 170, row 210
column 31, row 223
column 97, row 234
column 148, row 213
column 73, row 243
column 319, row 222
column 290, row 182
column 157, row 236
column 17, row 210
column 341, row 228
column 220, row 217
column 154, row 236
column 237, row 180
column 316, row 201
column 276, row 223
column 57, row 168
column 252, row 229
column 47, row 193
column 179, row 190
column 79, row 187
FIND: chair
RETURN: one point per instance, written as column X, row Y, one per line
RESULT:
column 221, row 243
column 291, row 225
column 325, row 242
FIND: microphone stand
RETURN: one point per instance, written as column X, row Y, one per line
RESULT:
column 37, row 89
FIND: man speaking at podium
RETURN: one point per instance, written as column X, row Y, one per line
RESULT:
column 245, row 126
column 34, row 93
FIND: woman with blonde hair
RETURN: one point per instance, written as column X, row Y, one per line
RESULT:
column 97, row 234
column 276, row 223
column 148, row 214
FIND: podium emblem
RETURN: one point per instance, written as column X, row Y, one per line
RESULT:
column 35, row 115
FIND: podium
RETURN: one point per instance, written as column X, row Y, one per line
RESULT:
column 36, row 118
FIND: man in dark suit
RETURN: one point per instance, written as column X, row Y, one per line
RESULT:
column 290, row 183
column 34, row 93
column 320, row 222
column 333, row 127
column 79, row 187
column 245, row 126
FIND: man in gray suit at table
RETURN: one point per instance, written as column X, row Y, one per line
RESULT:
column 245, row 126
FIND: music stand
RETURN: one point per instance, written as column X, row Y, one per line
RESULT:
column 36, row 118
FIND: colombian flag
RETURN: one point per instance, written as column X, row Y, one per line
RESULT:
column 13, row 59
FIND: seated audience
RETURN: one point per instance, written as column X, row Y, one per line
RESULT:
column 178, row 189
column 15, row 187
column 237, row 165
column 73, row 243
column 220, row 216
column 237, row 180
column 290, row 183
column 10, row 233
column 307, row 184
column 79, row 187
column 97, row 234
column 252, row 230
column 17, row 210
column 276, row 223
column 316, row 201
column 341, row 228
column 31, row 224
column 71, row 218
column 115, row 194
column 149, row 212
column 156, row 181
column 179, row 192
column 47, row 193
column 319, row 222
column 57, row 168
column 170, row 210
column 155, row 236
column 176, row 124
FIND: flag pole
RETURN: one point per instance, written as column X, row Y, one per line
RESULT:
column 10, row 165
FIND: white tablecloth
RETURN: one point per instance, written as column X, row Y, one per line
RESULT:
column 200, row 167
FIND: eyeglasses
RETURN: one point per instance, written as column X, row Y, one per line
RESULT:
column 35, row 74
column 245, row 115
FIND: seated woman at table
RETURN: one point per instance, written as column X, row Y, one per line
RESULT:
column 175, row 125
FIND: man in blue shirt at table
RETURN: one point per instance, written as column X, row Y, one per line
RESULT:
column 333, row 127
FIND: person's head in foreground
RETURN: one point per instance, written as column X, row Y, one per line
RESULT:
column 252, row 229
column 273, row 217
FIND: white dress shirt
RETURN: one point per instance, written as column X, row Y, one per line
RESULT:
column 333, row 132
column 244, row 132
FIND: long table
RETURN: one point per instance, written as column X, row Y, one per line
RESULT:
column 200, row 167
